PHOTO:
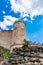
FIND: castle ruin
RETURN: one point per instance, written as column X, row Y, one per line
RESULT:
column 13, row 37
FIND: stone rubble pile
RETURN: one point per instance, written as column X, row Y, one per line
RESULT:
column 26, row 56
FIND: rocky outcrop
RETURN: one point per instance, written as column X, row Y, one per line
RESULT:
column 26, row 56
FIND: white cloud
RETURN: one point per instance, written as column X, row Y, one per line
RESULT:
column 25, row 7
column 3, row 12
column 8, row 20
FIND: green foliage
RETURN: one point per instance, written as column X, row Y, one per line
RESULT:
column 26, row 43
column 4, row 52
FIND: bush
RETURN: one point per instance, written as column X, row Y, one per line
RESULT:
column 26, row 43
column 4, row 52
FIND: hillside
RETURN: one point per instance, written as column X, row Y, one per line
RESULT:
column 26, row 55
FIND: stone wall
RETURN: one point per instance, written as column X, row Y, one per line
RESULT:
column 19, row 33
column 9, row 38
column 5, row 38
column 26, row 55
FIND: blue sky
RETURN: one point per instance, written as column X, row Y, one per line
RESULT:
column 11, row 10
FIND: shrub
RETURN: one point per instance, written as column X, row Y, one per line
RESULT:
column 26, row 43
column 4, row 52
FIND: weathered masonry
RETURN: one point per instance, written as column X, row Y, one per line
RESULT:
column 13, row 37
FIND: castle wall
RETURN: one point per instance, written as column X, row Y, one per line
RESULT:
column 18, row 33
column 5, row 38
column 12, row 37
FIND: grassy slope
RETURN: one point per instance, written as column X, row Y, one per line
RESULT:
column 4, row 53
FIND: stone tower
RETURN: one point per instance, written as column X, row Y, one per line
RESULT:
column 10, row 38
column 18, row 34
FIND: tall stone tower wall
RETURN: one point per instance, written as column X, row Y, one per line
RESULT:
column 13, row 37
column 18, row 33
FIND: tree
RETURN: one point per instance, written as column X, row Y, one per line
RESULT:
column 26, row 43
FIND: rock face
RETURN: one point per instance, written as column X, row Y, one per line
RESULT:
column 12, row 37
column 26, row 56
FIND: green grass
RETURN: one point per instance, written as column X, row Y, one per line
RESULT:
column 4, row 53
